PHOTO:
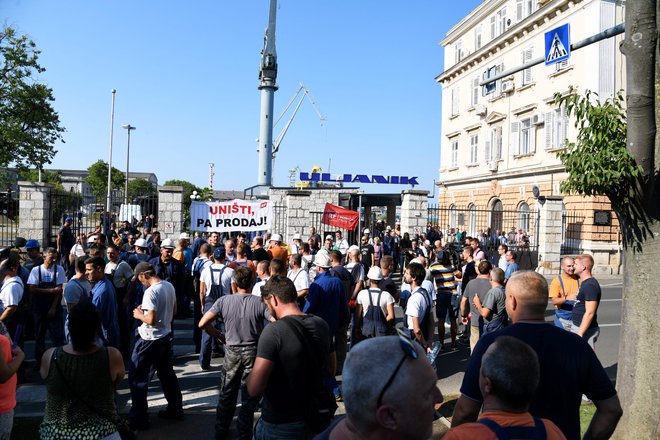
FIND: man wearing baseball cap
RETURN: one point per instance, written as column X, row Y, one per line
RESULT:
column 33, row 258
column 169, row 269
column 153, row 349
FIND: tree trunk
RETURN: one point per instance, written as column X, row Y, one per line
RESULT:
column 638, row 378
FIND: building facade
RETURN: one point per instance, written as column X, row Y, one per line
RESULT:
column 500, row 141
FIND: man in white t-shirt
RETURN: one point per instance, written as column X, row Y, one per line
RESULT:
column 341, row 243
column 420, row 323
column 214, row 282
column 377, row 297
column 11, row 292
column 45, row 283
column 263, row 273
column 299, row 276
column 153, row 349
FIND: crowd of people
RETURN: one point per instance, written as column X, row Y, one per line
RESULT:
column 289, row 319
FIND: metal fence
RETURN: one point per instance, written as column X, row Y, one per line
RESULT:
column 8, row 218
column 314, row 218
column 487, row 224
column 88, row 211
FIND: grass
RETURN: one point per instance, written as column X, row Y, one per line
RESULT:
column 587, row 411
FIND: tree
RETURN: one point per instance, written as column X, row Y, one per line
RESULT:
column 48, row 176
column 29, row 126
column 140, row 187
column 639, row 358
column 97, row 178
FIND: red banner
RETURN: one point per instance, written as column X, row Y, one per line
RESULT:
column 340, row 217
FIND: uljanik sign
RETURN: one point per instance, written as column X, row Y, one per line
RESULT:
column 358, row 178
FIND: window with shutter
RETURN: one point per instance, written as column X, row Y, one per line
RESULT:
column 519, row 9
column 454, row 101
column 477, row 37
column 454, row 154
column 515, row 139
column 474, row 146
column 493, row 27
column 497, row 143
column 487, row 149
column 474, row 97
column 564, row 126
column 526, row 75
column 548, row 128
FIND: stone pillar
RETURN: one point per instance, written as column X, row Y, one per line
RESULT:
column 414, row 211
column 34, row 212
column 391, row 216
column 170, row 211
column 550, row 224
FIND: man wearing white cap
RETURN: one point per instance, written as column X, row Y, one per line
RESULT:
column 295, row 245
column 276, row 250
column 169, row 269
column 375, row 308
column 367, row 233
column 141, row 253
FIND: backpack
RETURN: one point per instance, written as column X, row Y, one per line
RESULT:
column 423, row 323
column 374, row 323
column 20, row 315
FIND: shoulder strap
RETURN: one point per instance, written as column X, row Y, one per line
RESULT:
column 561, row 283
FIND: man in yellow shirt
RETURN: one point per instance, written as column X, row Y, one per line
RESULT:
column 563, row 291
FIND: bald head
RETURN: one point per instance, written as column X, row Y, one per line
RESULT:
column 568, row 266
column 530, row 291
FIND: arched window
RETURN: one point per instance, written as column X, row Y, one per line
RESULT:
column 523, row 217
column 452, row 216
column 496, row 215
column 472, row 220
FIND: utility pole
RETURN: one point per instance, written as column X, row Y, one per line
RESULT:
column 108, row 201
column 267, row 86
column 129, row 128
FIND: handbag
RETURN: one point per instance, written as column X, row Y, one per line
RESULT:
column 322, row 404
column 125, row 431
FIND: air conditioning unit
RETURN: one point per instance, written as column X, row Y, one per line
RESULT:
column 538, row 119
column 508, row 87
column 480, row 110
column 492, row 165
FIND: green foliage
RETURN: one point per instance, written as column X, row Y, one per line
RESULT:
column 140, row 187
column 48, row 176
column 98, row 178
column 598, row 163
column 29, row 126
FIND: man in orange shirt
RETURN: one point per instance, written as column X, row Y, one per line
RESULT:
column 563, row 292
column 508, row 379
column 276, row 250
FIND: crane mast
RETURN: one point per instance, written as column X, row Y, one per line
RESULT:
column 267, row 86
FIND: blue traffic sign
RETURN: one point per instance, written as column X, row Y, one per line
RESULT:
column 557, row 44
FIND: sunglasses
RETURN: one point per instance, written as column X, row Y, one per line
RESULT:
column 408, row 352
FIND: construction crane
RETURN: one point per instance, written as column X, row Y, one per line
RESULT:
column 305, row 94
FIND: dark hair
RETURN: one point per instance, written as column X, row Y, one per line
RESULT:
column 79, row 264
column 304, row 246
column 277, row 267
column 243, row 277
column 469, row 250
column 281, row 287
column 11, row 262
column 335, row 256
column 96, row 262
column 417, row 272
column 114, row 247
column 444, row 257
column 484, row 267
column 102, row 237
column 514, row 255
column 386, row 261
column 513, row 369
column 260, row 240
column 84, row 325
column 505, row 247
column 297, row 259
column 97, row 248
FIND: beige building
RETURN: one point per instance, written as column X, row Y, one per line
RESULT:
column 500, row 141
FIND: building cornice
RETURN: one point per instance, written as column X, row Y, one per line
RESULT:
column 551, row 11
column 502, row 175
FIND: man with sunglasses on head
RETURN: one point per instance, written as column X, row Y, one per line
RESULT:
column 393, row 402
column 296, row 346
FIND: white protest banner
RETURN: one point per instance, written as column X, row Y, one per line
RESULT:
column 234, row 215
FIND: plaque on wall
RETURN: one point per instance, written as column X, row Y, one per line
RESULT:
column 602, row 218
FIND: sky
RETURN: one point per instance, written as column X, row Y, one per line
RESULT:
column 186, row 76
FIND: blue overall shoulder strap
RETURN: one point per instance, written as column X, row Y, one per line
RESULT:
column 536, row 432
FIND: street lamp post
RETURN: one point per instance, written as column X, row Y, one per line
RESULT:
column 128, row 127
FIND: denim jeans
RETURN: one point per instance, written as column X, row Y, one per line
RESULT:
column 156, row 354
column 282, row 431
column 238, row 364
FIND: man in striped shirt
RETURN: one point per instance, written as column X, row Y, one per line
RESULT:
column 444, row 275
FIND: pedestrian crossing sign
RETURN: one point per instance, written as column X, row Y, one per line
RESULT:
column 557, row 45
